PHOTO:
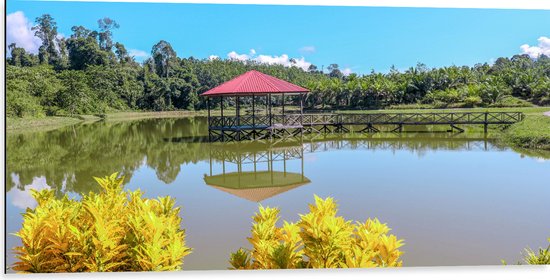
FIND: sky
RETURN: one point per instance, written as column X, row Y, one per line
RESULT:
column 358, row 39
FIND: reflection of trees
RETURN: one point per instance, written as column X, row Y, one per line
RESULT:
column 75, row 154
column 72, row 155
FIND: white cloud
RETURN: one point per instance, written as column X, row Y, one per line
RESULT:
column 213, row 57
column 23, row 198
column 347, row 71
column 542, row 160
column 138, row 53
column 235, row 56
column 535, row 51
column 18, row 31
column 308, row 49
column 283, row 59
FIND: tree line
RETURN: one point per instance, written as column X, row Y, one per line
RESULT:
column 90, row 73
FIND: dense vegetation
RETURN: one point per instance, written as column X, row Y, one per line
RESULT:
column 320, row 239
column 113, row 230
column 89, row 73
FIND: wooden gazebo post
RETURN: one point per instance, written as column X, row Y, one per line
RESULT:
column 283, row 105
column 270, row 114
column 253, row 111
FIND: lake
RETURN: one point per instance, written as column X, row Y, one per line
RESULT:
column 455, row 198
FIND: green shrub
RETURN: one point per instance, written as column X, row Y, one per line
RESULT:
column 444, row 96
column 543, row 256
column 20, row 104
column 110, row 231
column 410, row 106
column 531, row 257
column 511, row 101
column 320, row 239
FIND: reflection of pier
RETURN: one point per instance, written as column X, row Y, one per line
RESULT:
column 255, row 178
column 445, row 141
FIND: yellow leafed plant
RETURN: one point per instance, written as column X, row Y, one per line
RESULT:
column 320, row 239
column 113, row 230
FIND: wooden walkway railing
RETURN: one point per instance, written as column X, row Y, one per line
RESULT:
column 451, row 118
column 236, row 128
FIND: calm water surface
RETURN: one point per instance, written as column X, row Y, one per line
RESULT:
column 456, row 199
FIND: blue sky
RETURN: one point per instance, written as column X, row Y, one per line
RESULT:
column 357, row 38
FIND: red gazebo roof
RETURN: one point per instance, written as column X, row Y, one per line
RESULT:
column 254, row 82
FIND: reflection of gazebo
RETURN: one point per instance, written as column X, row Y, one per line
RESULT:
column 259, row 123
column 256, row 184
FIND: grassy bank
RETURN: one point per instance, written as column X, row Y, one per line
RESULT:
column 525, row 110
column 39, row 124
column 31, row 124
column 531, row 133
column 126, row 116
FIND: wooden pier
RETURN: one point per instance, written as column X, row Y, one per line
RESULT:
column 253, row 127
column 260, row 124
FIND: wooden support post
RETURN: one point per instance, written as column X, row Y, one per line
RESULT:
column 270, row 114
column 209, row 123
column 238, row 111
column 221, row 106
column 223, row 120
column 283, row 103
column 253, row 112
column 485, row 125
column 302, row 161
column 210, row 152
column 208, row 108
column 284, row 165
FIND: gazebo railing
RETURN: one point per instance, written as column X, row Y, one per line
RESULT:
column 255, row 121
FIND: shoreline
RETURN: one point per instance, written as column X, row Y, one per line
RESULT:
column 30, row 125
column 531, row 133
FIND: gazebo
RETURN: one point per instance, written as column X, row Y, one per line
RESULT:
column 257, row 123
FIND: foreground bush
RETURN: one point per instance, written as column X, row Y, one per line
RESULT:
column 535, row 258
column 110, row 231
column 320, row 239
column 543, row 256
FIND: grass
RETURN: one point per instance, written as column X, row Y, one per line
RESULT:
column 123, row 116
column 34, row 124
column 525, row 110
column 532, row 133
column 38, row 124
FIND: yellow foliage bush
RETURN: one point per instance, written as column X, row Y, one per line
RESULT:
column 113, row 230
column 320, row 239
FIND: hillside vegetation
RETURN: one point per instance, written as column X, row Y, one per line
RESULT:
column 89, row 73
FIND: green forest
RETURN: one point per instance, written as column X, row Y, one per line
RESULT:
column 90, row 73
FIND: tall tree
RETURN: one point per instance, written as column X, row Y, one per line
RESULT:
column 106, row 25
column 335, row 71
column 84, row 49
column 122, row 54
column 163, row 57
column 46, row 30
column 20, row 57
